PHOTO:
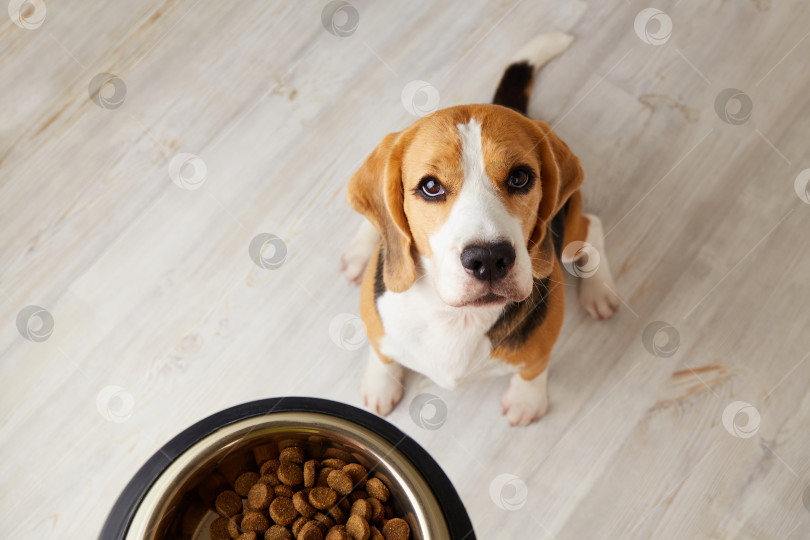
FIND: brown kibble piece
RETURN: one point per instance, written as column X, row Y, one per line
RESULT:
column 323, row 474
column 357, row 472
column 376, row 534
column 362, row 508
column 337, row 514
column 247, row 536
column 284, row 491
column 260, row 496
column 333, row 463
column 336, row 453
column 358, row 528
column 270, row 479
column 269, row 467
column 293, row 454
column 340, row 482
column 264, row 453
column 235, row 526
column 396, row 529
column 310, row 473
column 290, row 473
column 338, row 532
column 282, row 510
column 298, row 524
column 301, row 503
column 324, row 520
column 277, row 532
column 377, row 489
column 310, row 531
column 244, row 482
column 322, row 497
column 255, row 521
column 219, row 529
column 228, row 503
column 358, row 494
column 377, row 512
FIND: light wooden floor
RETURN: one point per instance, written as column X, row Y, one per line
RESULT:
column 161, row 318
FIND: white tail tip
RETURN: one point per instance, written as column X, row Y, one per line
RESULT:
column 543, row 48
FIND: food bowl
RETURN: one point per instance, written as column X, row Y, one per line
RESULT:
column 151, row 504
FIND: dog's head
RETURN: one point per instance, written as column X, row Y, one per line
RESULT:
column 467, row 194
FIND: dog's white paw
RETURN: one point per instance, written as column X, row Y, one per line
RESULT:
column 353, row 262
column 525, row 401
column 597, row 296
column 381, row 386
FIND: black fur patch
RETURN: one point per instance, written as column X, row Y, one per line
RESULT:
column 520, row 319
column 379, row 284
column 513, row 90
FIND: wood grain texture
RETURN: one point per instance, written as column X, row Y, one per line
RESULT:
column 152, row 288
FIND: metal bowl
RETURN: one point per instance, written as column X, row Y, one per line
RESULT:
column 151, row 504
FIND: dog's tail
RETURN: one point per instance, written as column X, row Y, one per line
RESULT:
column 516, row 84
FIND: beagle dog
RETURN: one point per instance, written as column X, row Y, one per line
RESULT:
column 472, row 212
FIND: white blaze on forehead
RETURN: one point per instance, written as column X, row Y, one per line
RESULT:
column 478, row 216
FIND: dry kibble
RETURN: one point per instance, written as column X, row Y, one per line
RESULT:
column 293, row 454
column 323, row 474
column 282, row 510
column 277, row 532
column 376, row 534
column 396, row 529
column 337, row 453
column 228, row 503
column 284, row 491
column 333, row 463
column 324, row 520
column 362, row 508
column 264, row 453
column 219, row 529
column 260, row 496
column 358, row 528
column 377, row 489
column 377, row 512
column 357, row 472
column 322, row 497
column 301, row 503
column 247, row 536
column 269, row 467
column 338, row 532
column 336, row 514
column 235, row 526
column 310, row 473
column 244, row 482
column 358, row 494
column 298, row 524
column 270, row 479
column 290, row 473
column 340, row 482
column 310, row 531
column 255, row 521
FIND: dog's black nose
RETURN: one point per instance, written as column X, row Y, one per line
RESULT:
column 488, row 262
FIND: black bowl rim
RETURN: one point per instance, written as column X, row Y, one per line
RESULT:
column 120, row 517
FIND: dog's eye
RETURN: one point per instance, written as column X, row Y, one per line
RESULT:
column 431, row 188
column 520, row 179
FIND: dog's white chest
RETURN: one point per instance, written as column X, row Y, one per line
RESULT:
column 448, row 345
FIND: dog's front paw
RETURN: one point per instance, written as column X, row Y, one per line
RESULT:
column 597, row 296
column 525, row 401
column 353, row 262
column 381, row 386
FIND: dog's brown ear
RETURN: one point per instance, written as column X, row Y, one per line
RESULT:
column 560, row 177
column 376, row 191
